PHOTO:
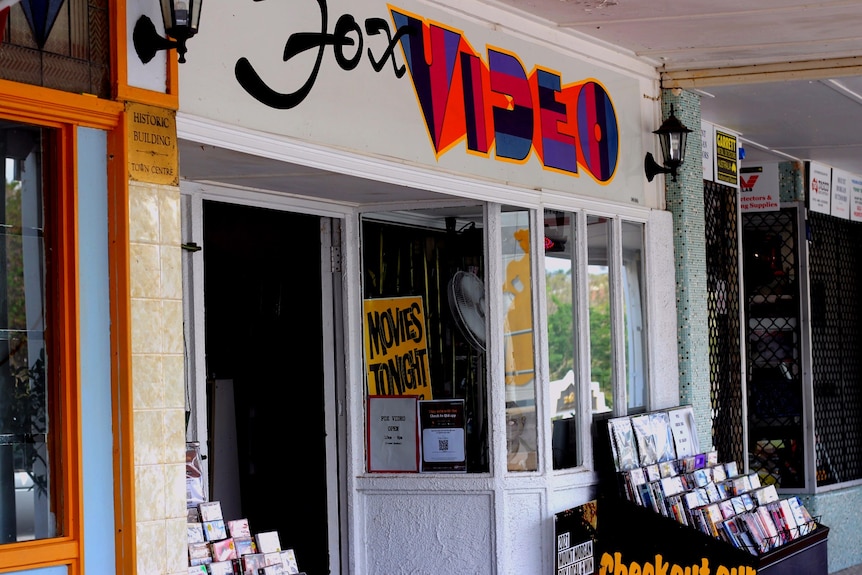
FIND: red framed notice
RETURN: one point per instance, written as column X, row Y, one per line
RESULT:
column 393, row 434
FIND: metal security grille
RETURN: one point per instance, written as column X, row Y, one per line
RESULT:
column 722, row 276
column 60, row 45
column 775, row 414
column 836, row 338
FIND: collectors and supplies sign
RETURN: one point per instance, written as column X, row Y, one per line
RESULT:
column 396, row 347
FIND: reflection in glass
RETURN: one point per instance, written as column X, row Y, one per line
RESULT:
column 435, row 257
column 25, row 512
column 521, row 432
column 560, row 261
column 633, row 301
column 601, row 351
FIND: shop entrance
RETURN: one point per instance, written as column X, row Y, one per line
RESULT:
column 268, row 344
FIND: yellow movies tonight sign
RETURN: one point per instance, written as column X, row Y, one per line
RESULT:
column 396, row 350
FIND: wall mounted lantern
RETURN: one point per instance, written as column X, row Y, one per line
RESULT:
column 672, row 134
column 181, row 19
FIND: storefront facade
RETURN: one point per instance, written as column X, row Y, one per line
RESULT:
column 333, row 217
column 82, row 492
column 436, row 152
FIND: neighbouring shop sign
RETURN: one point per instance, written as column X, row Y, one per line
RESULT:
column 819, row 188
column 758, row 189
column 856, row 199
column 839, row 205
column 396, row 350
column 726, row 158
column 152, row 144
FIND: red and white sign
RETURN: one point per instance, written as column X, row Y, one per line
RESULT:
column 758, row 188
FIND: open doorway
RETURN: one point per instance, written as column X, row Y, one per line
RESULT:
column 264, row 302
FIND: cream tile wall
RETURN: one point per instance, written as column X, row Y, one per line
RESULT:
column 157, row 378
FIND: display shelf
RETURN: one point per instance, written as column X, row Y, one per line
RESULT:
column 638, row 535
column 634, row 538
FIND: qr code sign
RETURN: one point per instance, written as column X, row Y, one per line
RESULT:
column 443, row 444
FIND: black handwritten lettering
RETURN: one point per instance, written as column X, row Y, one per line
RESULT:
column 400, row 374
column 374, row 26
column 299, row 42
column 389, row 329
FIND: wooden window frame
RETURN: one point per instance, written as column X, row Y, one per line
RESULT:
column 62, row 348
column 62, row 114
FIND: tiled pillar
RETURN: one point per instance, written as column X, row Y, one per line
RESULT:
column 685, row 202
column 157, row 378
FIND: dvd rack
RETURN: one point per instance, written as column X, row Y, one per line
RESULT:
column 658, row 474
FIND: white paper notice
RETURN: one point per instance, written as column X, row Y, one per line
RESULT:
column 840, row 203
column 393, row 434
column 684, row 430
column 819, row 187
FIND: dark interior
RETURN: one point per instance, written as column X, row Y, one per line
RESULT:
column 262, row 296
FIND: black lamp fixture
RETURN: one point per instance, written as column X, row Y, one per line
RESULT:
column 181, row 19
column 673, row 135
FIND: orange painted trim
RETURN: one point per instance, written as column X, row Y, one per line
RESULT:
column 39, row 105
column 64, row 375
column 125, row 541
column 37, row 554
column 133, row 94
column 119, row 41
column 120, row 52
column 69, row 336
column 121, row 351
column 174, row 76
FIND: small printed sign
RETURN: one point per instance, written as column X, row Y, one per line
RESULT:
column 819, row 188
column 726, row 158
column 576, row 533
column 443, row 433
column 840, row 202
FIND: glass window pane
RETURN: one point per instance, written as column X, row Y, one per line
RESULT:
column 560, row 298
column 435, row 259
column 601, row 350
column 521, row 432
column 633, row 302
column 25, row 491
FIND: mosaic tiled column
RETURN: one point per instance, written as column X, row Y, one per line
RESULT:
column 685, row 202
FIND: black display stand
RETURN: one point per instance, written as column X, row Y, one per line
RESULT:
column 630, row 534
column 638, row 535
